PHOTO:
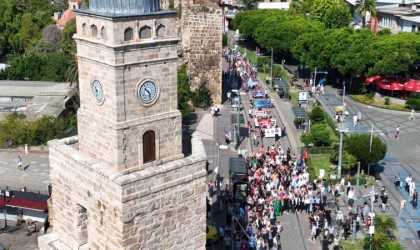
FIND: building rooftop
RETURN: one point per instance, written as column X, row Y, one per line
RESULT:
column 48, row 98
column 124, row 7
column 67, row 16
column 399, row 11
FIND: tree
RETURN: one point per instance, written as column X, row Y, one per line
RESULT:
column 338, row 16
column 282, row 36
column 247, row 21
column 356, row 58
column 359, row 144
column 393, row 245
column 67, row 43
column 300, row 7
column 348, row 161
column 376, row 241
column 184, row 92
column 364, row 6
column 393, row 54
column 29, row 34
column 317, row 115
column 319, row 136
column 385, row 224
column 52, row 34
column 249, row 4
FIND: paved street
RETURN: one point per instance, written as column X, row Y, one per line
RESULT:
column 36, row 176
column 403, row 156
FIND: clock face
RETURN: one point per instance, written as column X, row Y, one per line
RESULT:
column 148, row 92
column 97, row 91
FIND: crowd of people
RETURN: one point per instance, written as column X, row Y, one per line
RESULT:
column 278, row 183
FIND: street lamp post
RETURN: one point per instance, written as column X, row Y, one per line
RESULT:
column 344, row 93
column 340, row 152
column 318, row 72
column 271, row 66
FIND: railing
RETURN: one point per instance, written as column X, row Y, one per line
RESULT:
column 24, row 189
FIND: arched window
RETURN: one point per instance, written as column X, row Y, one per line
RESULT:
column 94, row 30
column 149, row 147
column 160, row 31
column 84, row 29
column 145, row 32
column 128, row 34
column 103, row 33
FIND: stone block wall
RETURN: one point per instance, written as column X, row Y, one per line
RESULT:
column 161, row 207
column 111, row 131
column 201, row 33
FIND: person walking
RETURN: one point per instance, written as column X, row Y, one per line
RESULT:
column 384, row 201
column 397, row 180
column 412, row 115
column 254, row 139
column 397, row 132
column 414, row 199
column 19, row 163
column 354, row 120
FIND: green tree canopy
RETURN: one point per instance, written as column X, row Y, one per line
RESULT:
column 282, row 36
column 385, row 224
column 183, row 91
column 359, row 145
column 317, row 115
column 393, row 245
column 337, row 16
column 67, row 43
column 377, row 241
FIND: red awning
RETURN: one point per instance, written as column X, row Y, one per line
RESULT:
column 26, row 204
column 412, row 86
column 373, row 80
column 392, row 86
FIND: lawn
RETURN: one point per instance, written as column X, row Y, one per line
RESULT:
column 350, row 246
column 317, row 162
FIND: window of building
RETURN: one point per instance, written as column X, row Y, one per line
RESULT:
column 128, row 34
column 160, row 31
column 103, row 33
column 145, row 32
column 149, row 146
column 82, row 223
column 413, row 28
column 94, row 30
column 84, row 29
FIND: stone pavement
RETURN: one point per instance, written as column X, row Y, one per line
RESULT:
column 36, row 176
column 403, row 156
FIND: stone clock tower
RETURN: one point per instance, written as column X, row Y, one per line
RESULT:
column 124, row 183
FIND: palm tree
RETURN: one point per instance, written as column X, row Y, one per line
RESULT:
column 364, row 6
column 72, row 76
column 385, row 224
column 393, row 245
column 376, row 241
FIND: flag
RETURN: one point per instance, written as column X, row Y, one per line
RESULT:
column 305, row 154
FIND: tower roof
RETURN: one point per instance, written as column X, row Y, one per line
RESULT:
column 123, row 7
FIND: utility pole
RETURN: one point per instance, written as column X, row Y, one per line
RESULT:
column 340, row 155
column 271, row 74
column 358, row 179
